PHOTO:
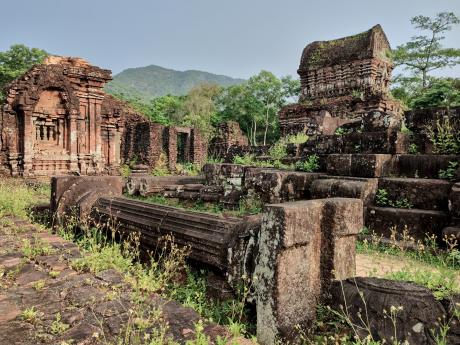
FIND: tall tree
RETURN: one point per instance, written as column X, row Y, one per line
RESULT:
column 17, row 60
column 199, row 108
column 255, row 104
column 425, row 53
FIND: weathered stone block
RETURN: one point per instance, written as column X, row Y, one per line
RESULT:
column 417, row 310
column 428, row 194
column 345, row 187
column 301, row 244
column 371, row 165
column 419, row 223
column 339, row 164
column 274, row 186
column 79, row 193
column 359, row 165
column 454, row 200
column 426, row 166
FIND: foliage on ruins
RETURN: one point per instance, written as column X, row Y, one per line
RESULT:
column 253, row 104
column 444, row 136
column 17, row 60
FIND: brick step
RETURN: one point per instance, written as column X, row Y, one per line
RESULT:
column 425, row 166
column 420, row 223
column 360, row 165
column 426, row 194
column 344, row 187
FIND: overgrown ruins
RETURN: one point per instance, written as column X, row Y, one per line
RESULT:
column 57, row 119
column 301, row 245
column 343, row 81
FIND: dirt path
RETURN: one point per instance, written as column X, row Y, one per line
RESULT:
column 379, row 265
column 43, row 300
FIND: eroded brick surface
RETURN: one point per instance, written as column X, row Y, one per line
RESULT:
column 95, row 308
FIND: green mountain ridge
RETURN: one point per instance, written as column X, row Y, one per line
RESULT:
column 154, row 81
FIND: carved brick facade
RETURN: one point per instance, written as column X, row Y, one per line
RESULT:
column 53, row 121
column 342, row 81
column 57, row 119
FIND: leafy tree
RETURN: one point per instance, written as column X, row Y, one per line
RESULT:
column 424, row 53
column 255, row 104
column 239, row 104
column 17, row 60
column 440, row 93
column 199, row 108
column 165, row 109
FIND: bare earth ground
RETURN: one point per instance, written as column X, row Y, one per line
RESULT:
column 380, row 264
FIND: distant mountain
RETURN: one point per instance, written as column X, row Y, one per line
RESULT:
column 154, row 81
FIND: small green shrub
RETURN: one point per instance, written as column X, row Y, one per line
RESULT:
column 445, row 139
column 298, row 138
column 413, row 149
column 247, row 159
column 36, row 248
column 311, row 164
column 161, row 166
column 278, row 150
column 250, row 205
column 125, row 170
column 189, row 169
column 214, row 160
column 404, row 129
column 29, row 314
column 106, row 258
column 401, row 203
column 382, row 199
column 449, row 172
column 57, row 326
column 16, row 197
column 340, row 131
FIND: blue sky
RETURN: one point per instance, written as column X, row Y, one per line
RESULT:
column 237, row 38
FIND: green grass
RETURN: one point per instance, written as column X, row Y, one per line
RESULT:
column 16, row 197
column 247, row 205
column 427, row 264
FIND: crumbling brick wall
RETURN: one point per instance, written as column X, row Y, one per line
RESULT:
column 228, row 134
column 144, row 142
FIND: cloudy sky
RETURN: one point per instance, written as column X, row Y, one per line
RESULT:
column 234, row 37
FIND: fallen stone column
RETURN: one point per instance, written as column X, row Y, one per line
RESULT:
column 417, row 312
column 76, row 195
column 153, row 184
column 145, row 185
column 224, row 243
column 209, row 237
column 303, row 245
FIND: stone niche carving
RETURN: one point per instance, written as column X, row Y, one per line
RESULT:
column 57, row 119
column 343, row 81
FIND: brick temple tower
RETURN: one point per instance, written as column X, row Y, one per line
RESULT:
column 343, row 80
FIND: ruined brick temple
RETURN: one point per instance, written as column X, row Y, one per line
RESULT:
column 53, row 121
column 57, row 119
column 342, row 81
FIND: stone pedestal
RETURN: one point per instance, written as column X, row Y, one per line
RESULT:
column 303, row 246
